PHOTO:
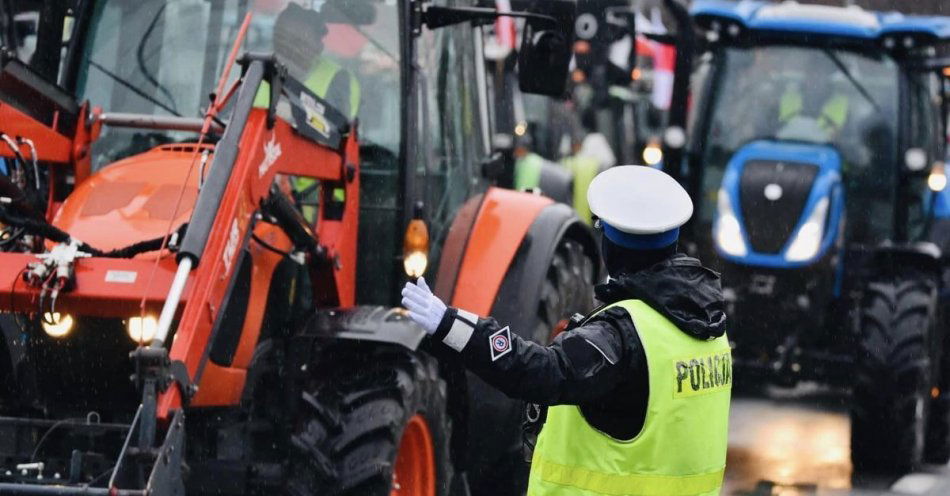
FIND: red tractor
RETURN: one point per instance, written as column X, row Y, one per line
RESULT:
column 240, row 261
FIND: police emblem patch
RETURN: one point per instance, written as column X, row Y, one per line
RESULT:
column 500, row 343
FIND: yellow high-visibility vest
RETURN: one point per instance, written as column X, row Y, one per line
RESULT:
column 318, row 81
column 681, row 450
column 834, row 112
column 585, row 169
column 528, row 171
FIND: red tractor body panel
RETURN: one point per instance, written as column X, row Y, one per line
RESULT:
column 134, row 199
column 502, row 222
column 104, row 287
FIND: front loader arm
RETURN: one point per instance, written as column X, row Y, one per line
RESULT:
column 247, row 159
column 246, row 186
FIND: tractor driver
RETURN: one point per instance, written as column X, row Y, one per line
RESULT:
column 639, row 389
column 298, row 44
column 811, row 110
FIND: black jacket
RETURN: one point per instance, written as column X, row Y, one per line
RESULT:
column 600, row 365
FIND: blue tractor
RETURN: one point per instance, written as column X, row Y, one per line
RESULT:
column 814, row 154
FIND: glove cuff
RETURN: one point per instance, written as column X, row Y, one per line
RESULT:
column 445, row 324
column 456, row 328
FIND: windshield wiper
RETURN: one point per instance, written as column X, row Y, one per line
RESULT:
column 131, row 87
column 140, row 58
column 847, row 73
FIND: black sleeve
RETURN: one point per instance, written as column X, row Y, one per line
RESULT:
column 581, row 365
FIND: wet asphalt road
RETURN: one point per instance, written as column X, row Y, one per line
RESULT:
column 796, row 443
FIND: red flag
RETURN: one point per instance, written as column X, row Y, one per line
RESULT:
column 505, row 26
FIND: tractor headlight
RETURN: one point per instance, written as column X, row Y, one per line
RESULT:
column 807, row 240
column 937, row 180
column 728, row 233
column 57, row 325
column 652, row 154
column 142, row 329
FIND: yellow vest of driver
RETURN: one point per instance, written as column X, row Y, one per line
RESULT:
column 681, row 450
column 318, row 81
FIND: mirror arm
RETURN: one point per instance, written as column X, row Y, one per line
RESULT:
column 663, row 39
column 8, row 34
column 435, row 17
column 931, row 64
column 678, row 112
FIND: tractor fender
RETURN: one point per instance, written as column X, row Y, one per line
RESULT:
column 921, row 255
column 521, row 288
column 374, row 324
column 501, row 224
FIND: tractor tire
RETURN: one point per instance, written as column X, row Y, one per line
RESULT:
column 371, row 422
column 893, row 372
column 937, row 447
column 566, row 290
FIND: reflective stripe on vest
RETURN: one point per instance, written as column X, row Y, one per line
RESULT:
column 319, row 81
column 681, row 450
column 834, row 113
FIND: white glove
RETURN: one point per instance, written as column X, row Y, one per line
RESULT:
column 425, row 308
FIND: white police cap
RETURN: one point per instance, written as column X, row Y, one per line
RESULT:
column 641, row 207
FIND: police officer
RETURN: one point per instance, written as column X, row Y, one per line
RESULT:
column 638, row 391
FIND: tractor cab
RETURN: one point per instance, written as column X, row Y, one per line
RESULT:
column 147, row 69
column 860, row 119
column 816, row 141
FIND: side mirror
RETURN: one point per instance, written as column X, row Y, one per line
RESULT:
column 543, row 61
column 546, row 41
column 494, row 167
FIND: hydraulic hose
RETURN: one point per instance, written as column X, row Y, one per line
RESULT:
column 293, row 224
column 40, row 228
column 17, row 198
column 46, row 230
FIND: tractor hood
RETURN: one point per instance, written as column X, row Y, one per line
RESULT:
column 771, row 191
column 133, row 199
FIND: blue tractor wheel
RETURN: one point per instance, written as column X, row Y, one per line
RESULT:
column 894, row 375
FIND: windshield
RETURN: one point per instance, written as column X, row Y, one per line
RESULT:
column 802, row 94
column 809, row 95
column 165, row 57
